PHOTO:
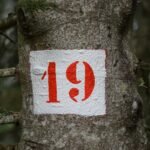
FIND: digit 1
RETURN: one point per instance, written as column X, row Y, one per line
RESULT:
column 52, row 83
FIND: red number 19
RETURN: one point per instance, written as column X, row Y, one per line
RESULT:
column 71, row 76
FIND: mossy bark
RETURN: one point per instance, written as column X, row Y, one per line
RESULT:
column 83, row 24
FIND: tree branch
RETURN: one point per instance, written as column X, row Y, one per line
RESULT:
column 6, row 36
column 8, row 22
column 10, row 117
column 8, row 147
column 7, row 72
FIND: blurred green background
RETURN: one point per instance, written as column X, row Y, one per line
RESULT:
column 10, row 93
column 140, row 44
column 10, row 96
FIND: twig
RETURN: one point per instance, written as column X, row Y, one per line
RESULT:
column 6, row 36
column 9, row 117
column 8, row 147
column 7, row 72
column 8, row 22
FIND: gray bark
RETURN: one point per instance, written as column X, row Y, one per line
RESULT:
column 82, row 24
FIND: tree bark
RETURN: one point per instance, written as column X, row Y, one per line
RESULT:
column 82, row 24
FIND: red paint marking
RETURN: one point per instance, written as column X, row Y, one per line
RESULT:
column 43, row 76
column 73, row 93
column 89, row 80
column 72, row 77
column 52, row 83
column 71, row 73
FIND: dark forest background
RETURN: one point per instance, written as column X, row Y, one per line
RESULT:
column 10, row 91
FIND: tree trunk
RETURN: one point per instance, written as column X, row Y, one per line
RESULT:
column 82, row 24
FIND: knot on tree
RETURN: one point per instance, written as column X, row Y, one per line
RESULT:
column 136, row 113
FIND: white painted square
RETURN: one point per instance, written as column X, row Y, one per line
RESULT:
column 94, row 105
